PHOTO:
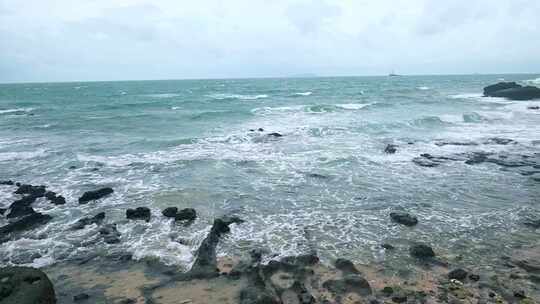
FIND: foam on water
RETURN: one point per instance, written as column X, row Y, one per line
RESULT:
column 325, row 185
column 308, row 93
column 16, row 111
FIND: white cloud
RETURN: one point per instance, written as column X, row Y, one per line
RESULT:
column 45, row 40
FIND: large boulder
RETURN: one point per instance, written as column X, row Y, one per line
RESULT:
column 421, row 251
column 95, row 195
column 139, row 213
column 489, row 90
column 25, row 285
column 404, row 218
column 96, row 219
column 25, row 223
column 512, row 90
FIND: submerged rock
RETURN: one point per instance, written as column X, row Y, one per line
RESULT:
column 275, row 134
column 533, row 108
column 457, row 274
column 187, row 214
column 346, row 266
column 35, row 191
column 139, row 213
column 404, row 218
column 170, row 212
column 7, row 183
column 421, row 251
column 390, row 149
column 25, row 285
column 81, row 297
column 110, row 234
column 96, row 219
column 95, row 195
column 28, row 222
column 349, row 283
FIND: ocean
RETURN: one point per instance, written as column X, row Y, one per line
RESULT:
column 325, row 185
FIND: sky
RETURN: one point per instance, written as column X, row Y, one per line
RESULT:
column 77, row 40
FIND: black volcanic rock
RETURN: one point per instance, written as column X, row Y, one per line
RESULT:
column 390, row 149
column 404, row 218
column 421, row 251
column 25, row 285
column 96, row 219
column 94, row 195
column 457, row 274
column 188, row 214
column 25, row 223
column 489, row 90
column 139, row 213
column 170, row 212
column 275, row 134
column 512, row 90
column 7, row 183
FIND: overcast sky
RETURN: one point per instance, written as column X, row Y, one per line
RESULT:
column 56, row 40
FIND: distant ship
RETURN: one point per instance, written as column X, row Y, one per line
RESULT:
column 393, row 74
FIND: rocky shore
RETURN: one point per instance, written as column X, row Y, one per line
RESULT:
column 257, row 278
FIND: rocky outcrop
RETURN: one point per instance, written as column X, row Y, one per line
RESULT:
column 110, row 234
column 95, row 195
column 404, row 218
column 96, row 219
column 421, row 251
column 457, row 274
column 187, row 215
column 25, row 285
column 25, row 223
column 390, row 149
column 512, row 90
column 139, row 213
column 170, row 212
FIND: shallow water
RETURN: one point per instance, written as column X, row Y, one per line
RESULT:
column 326, row 185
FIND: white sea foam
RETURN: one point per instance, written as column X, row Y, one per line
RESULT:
column 303, row 93
column 535, row 81
column 237, row 96
column 353, row 106
column 163, row 95
column 8, row 156
column 423, row 88
column 175, row 108
column 16, row 110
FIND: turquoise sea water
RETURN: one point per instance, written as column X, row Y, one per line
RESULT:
column 326, row 185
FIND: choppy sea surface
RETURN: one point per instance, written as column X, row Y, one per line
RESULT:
column 325, row 185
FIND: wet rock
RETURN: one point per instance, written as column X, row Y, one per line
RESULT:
column 349, row 283
column 346, row 266
column 187, row 214
column 533, row 108
column 477, row 158
column 455, row 143
column 474, row 277
column 521, row 93
column 404, row 218
column 490, row 90
column 399, row 298
column 2, row 211
column 387, row 291
column 96, row 219
column 170, row 212
column 428, row 160
column 25, row 285
column 81, row 297
column 72, row 167
column 275, row 134
column 388, row 246
column 25, row 257
column 19, row 210
column 257, row 296
column 457, row 274
column 110, row 234
column 7, row 183
column 50, row 195
column 25, row 223
column 390, row 149
column 59, row 200
column 95, row 195
column 205, row 265
column 421, row 251
column 520, row 294
column 499, row 141
column 534, row 223
column 139, row 213
column 35, row 191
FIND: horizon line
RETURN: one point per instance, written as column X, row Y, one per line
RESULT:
column 299, row 76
